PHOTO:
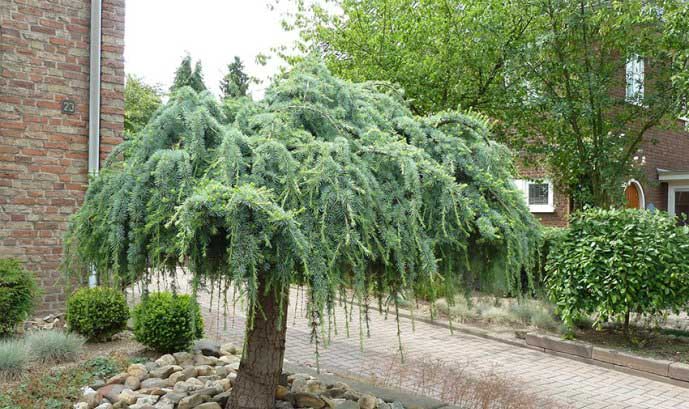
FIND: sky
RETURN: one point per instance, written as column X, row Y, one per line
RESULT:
column 159, row 33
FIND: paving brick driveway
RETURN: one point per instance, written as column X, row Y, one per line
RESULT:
column 562, row 380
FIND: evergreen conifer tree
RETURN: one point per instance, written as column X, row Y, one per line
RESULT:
column 185, row 76
column 196, row 79
column 236, row 82
column 326, row 184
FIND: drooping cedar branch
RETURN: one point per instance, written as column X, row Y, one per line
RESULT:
column 314, row 185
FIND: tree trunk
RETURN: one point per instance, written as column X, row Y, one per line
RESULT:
column 261, row 364
column 626, row 324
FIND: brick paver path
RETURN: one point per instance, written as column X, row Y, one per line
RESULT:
column 562, row 380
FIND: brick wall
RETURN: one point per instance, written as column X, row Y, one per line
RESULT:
column 558, row 218
column 44, row 58
column 664, row 148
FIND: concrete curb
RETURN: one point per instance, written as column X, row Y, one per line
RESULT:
column 675, row 373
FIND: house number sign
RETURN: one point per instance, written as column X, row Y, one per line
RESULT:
column 68, row 106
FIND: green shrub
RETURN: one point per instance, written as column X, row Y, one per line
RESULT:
column 552, row 236
column 459, row 310
column 13, row 359
column 614, row 262
column 494, row 314
column 582, row 321
column 542, row 319
column 97, row 313
column 167, row 322
column 54, row 346
column 524, row 310
column 18, row 291
column 534, row 313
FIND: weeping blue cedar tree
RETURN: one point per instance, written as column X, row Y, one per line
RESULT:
column 326, row 184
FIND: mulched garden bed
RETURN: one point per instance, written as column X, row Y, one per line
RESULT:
column 670, row 345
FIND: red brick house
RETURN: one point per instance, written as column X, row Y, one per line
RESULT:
column 61, row 111
column 664, row 158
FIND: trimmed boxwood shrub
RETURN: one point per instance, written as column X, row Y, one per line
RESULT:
column 167, row 322
column 97, row 313
column 18, row 291
column 619, row 261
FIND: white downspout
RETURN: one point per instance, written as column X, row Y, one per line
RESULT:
column 94, row 87
column 94, row 98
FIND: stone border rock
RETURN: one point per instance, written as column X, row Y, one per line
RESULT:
column 407, row 399
column 676, row 373
column 203, row 379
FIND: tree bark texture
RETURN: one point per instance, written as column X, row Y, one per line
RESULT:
column 261, row 364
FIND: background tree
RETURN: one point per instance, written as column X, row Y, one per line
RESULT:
column 236, row 82
column 140, row 102
column 550, row 72
column 677, row 38
column 324, row 183
column 569, row 90
column 185, row 76
column 444, row 54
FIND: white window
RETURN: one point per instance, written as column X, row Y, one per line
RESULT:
column 538, row 194
column 635, row 80
column 678, row 200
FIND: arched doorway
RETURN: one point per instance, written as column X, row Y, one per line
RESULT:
column 634, row 195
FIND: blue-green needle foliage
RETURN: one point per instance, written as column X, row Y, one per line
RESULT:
column 324, row 183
